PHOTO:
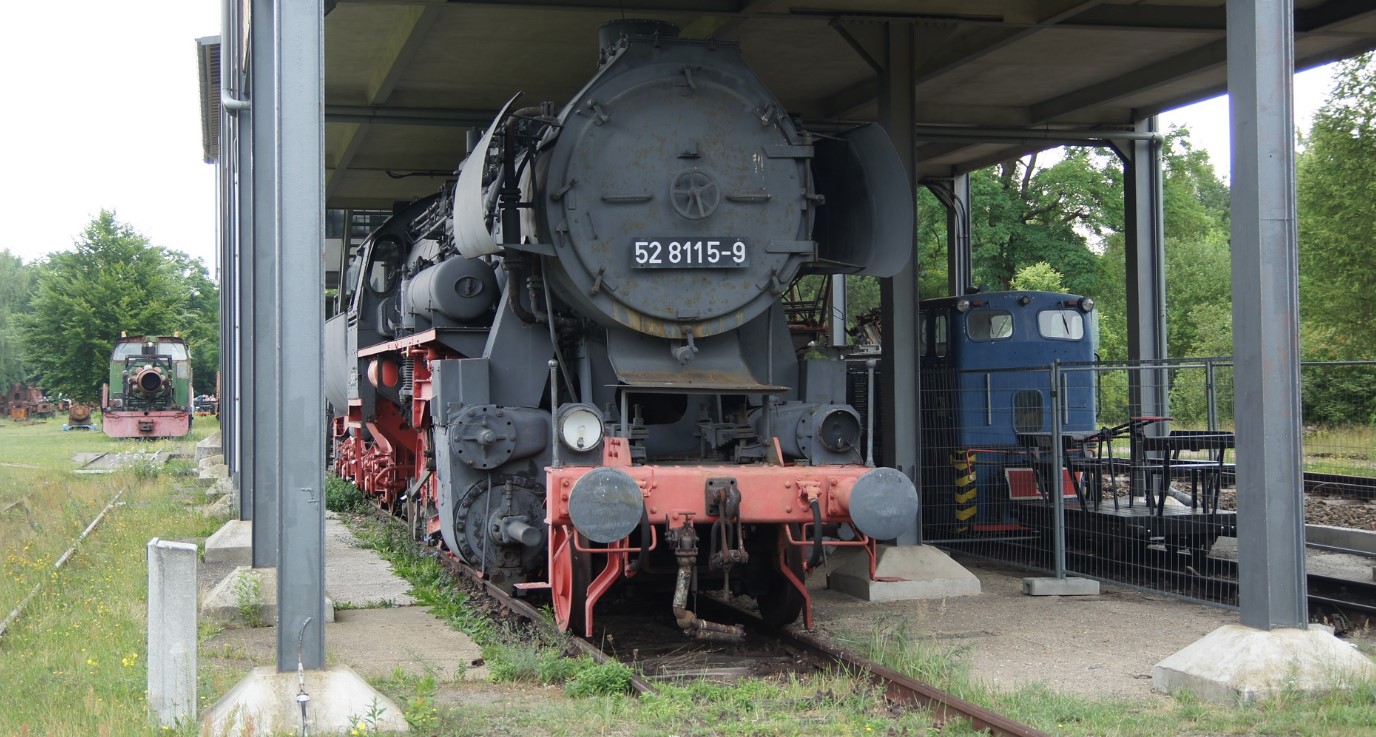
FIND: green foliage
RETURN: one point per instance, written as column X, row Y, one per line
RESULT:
column 1337, row 219
column 1022, row 214
column 248, row 598
column 16, row 285
column 608, row 679
column 1039, row 277
column 113, row 281
column 343, row 496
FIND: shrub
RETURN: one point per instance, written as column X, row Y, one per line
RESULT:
column 342, row 496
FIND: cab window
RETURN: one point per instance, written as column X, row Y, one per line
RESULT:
column 176, row 350
column 989, row 325
column 382, row 273
column 943, row 332
column 1061, row 324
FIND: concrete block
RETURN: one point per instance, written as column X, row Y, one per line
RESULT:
column 232, row 543
column 172, row 634
column 912, row 572
column 210, row 460
column 265, row 702
column 1340, row 537
column 1060, row 587
column 1236, row 664
column 236, row 598
column 213, row 473
column 209, row 446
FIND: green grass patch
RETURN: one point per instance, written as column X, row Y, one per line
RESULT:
column 1349, row 712
column 75, row 662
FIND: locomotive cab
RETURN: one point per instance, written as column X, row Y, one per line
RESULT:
column 987, row 399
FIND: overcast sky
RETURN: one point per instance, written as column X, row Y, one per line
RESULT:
column 104, row 113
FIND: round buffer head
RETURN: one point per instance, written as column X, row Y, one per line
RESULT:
column 883, row 503
column 606, row 504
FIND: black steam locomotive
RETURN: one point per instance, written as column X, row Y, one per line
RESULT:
column 572, row 366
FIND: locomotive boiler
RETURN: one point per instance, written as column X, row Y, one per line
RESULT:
column 573, row 367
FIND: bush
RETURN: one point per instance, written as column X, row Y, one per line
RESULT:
column 342, row 496
column 607, row 679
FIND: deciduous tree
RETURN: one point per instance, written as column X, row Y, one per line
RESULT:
column 113, row 280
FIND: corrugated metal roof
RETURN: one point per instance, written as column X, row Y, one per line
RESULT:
column 208, row 62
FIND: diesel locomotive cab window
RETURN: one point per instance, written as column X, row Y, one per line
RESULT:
column 943, row 333
column 382, row 275
column 989, row 325
column 176, row 350
column 1061, row 324
column 1027, row 411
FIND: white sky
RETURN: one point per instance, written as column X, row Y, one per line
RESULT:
column 104, row 113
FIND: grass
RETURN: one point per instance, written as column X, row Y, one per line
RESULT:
column 1349, row 712
column 74, row 663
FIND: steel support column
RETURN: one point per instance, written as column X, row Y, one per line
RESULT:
column 959, row 272
column 261, row 380
column 898, row 295
column 242, row 338
column 227, row 230
column 298, row 74
column 1144, row 230
column 1270, row 512
column 1144, row 214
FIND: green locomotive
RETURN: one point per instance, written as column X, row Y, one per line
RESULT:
column 149, row 392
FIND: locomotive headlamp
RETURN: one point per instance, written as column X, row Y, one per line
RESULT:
column 580, row 427
column 962, row 305
column 1087, row 304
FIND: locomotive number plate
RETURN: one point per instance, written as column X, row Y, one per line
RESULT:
column 694, row 253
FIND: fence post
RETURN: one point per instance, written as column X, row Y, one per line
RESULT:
column 1210, row 387
column 1057, row 476
column 171, row 632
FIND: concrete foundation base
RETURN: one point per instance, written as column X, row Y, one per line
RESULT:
column 1060, row 587
column 238, row 600
column 208, row 447
column 918, row 572
column 232, row 543
column 265, row 702
column 1236, row 664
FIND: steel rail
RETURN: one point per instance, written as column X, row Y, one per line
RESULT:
column 901, row 689
column 14, row 615
column 534, row 616
column 898, row 688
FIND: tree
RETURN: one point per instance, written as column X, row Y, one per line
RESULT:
column 113, row 281
column 1337, row 219
column 16, row 286
column 1023, row 214
column 1039, row 277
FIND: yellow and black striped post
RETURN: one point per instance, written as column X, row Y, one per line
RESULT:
column 964, row 464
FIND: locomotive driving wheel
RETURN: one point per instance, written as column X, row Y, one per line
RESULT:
column 569, row 577
column 780, row 602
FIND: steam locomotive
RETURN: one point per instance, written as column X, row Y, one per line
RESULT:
column 572, row 365
column 149, row 392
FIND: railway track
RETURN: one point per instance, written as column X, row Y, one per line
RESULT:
column 779, row 647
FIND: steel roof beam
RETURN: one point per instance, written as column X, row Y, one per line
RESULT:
column 397, row 50
column 1136, row 81
column 1209, row 56
column 958, row 45
column 696, row 7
